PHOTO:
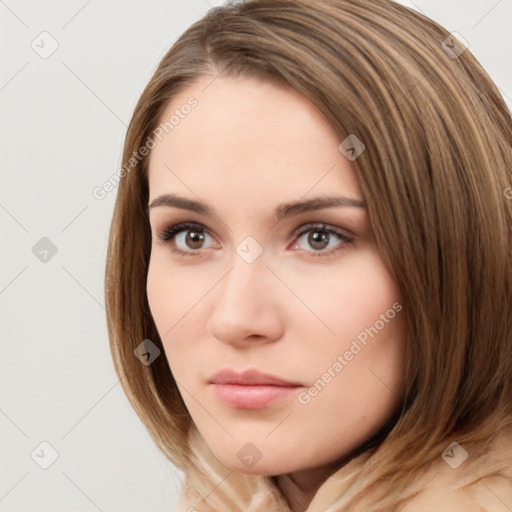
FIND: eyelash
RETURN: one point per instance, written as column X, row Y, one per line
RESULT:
column 169, row 233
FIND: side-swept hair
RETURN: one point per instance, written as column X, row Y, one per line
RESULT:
column 435, row 175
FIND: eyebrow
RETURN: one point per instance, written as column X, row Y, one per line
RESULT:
column 282, row 211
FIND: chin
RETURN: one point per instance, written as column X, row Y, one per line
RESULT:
column 254, row 464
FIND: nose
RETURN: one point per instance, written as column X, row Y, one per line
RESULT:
column 246, row 305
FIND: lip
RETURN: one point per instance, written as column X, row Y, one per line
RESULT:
column 250, row 377
column 251, row 389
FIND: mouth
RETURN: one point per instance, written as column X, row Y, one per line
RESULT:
column 251, row 389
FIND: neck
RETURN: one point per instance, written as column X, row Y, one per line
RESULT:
column 300, row 487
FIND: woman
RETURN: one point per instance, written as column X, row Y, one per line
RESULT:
column 310, row 258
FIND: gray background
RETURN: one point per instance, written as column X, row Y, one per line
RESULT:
column 63, row 126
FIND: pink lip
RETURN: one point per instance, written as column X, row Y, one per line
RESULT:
column 251, row 389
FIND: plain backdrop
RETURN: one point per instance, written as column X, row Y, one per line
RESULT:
column 64, row 118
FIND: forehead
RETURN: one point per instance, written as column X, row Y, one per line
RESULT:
column 246, row 137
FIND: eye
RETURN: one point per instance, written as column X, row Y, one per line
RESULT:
column 186, row 238
column 320, row 237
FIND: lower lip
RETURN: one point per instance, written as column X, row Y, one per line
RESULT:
column 252, row 397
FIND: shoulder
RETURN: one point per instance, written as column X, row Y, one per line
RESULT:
column 459, row 482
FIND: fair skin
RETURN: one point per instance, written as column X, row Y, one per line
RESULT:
column 293, row 311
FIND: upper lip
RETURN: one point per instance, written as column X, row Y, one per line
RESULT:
column 248, row 378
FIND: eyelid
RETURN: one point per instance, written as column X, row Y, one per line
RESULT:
column 304, row 228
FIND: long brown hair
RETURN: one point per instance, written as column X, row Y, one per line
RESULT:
column 434, row 175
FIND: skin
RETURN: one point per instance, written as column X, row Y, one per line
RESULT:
column 247, row 147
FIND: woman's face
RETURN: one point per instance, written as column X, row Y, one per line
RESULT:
column 252, row 285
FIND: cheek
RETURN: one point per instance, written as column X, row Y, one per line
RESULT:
column 160, row 297
column 364, row 308
column 379, row 331
column 171, row 294
column 165, row 298
column 353, row 297
column 173, row 298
